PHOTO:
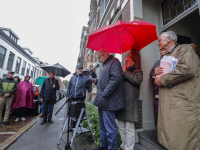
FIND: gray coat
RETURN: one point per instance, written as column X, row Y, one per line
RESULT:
column 132, row 81
column 109, row 94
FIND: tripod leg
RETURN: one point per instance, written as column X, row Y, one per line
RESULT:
column 77, row 125
column 88, row 120
column 63, row 130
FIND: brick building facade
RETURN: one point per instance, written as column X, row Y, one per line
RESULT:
column 102, row 13
column 168, row 15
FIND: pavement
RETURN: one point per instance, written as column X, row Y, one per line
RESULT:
column 45, row 137
column 8, row 133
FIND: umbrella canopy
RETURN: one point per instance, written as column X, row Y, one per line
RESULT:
column 122, row 36
column 40, row 80
column 58, row 69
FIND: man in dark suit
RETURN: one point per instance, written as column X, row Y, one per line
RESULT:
column 48, row 96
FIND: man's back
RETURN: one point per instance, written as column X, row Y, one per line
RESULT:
column 110, row 86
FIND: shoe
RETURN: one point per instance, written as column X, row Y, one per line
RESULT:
column 50, row 121
column 6, row 123
column 23, row 119
column 120, row 148
column 99, row 148
column 43, row 122
column 41, row 115
column 17, row 119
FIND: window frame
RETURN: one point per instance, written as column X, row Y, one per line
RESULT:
column 3, row 56
column 32, row 72
column 28, row 69
column 23, row 73
column 12, row 61
column 17, row 64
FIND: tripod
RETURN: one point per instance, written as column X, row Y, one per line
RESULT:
column 67, row 122
column 78, row 129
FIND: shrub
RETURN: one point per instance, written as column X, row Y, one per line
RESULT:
column 94, row 121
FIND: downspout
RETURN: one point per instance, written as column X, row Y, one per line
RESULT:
column 198, row 2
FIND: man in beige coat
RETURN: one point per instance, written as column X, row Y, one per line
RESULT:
column 179, row 97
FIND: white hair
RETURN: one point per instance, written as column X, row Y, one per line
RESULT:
column 171, row 34
column 104, row 52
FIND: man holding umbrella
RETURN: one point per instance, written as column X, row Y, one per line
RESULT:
column 48, row 96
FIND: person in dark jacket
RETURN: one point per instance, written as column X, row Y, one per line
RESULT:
column 127, row 117
column 74, row 82
column 156, row 91
column 8, row 87
column 48, row 96
column 80, row 94
column 109, row 98
column 17, row 78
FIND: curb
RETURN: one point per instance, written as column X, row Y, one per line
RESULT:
column 15, row 136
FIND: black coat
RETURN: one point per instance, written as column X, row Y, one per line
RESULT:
column 109, row 94
column 47, row 91
column 157, row 64
column 132, row 81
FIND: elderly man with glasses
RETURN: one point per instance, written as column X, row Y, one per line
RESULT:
column 179, row 96
column 109, row 98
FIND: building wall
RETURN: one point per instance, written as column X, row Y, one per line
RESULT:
column 149, row 55
column 9, row 49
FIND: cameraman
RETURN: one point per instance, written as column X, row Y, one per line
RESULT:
column 74, row 83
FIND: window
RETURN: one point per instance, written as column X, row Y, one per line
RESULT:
column 10, row 61
column 4, row 76
column 28, row 69
column 38, row 73
column 35, row 73
column 18, row 63
column 2, row 55
column 14, row 38
column 23, row 67
column 32, row 70
column 173, row 8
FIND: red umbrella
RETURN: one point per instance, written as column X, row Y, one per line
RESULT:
column 122, row 36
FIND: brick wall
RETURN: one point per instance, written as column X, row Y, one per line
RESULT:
column 135, row 54
column 139, row 125
column 126, row 12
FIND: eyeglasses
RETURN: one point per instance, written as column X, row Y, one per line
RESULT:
column 99, row 57
column 128, row 61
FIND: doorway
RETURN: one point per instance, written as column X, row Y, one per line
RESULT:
column 188, row 30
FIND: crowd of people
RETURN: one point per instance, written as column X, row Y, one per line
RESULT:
column 177, row 111
column 15, row 95
column 18, row 96
column 177, row 97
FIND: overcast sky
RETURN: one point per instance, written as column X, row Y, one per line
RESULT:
column 51, row 29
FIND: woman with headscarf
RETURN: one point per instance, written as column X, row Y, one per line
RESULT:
column 23, row 98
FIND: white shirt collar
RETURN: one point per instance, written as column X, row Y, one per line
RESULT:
column 171, row 48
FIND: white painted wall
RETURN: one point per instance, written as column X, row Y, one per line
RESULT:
column 17, row 54
column 149, row 55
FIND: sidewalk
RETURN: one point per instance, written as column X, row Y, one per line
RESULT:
column 9, row 133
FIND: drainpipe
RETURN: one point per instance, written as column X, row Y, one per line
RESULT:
column 198, row 2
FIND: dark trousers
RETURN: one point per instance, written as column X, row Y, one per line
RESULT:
column 108, row 129
column 20, row 112
column 46, row 104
